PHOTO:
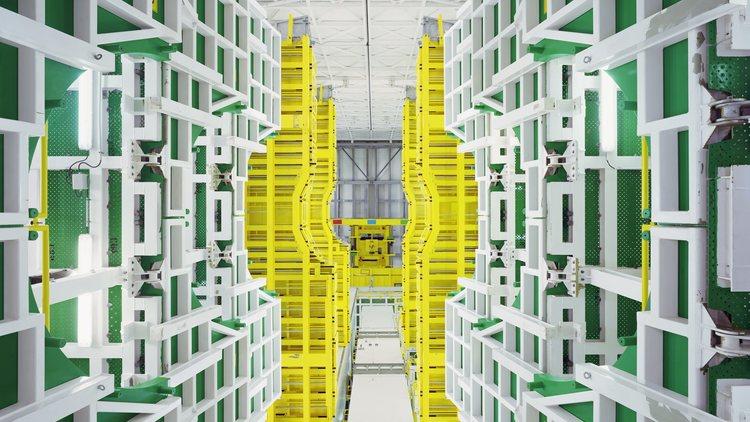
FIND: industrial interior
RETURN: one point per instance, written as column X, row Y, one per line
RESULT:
column 375, row 210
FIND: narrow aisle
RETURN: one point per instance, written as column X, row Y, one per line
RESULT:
column 379, row 387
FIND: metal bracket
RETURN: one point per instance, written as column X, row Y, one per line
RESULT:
column 501, row 177
column 720, row 340
column 136, row 276
column 567, row 160
column 570, row 275
column 721, row 113
column 140, row 159
column 216, row 255
column 217, row 177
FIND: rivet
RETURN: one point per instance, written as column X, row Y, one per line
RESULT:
column 587, row 375
column 587, row 59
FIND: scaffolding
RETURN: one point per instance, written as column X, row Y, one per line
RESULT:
column 416, row 228
column 448, row 252
column 293, row 251
column 596, row 277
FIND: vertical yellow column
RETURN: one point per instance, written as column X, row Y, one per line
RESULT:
column 452, row 237
column 291, row 245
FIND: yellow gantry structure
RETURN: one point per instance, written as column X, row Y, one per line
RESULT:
column 372, row 254
column 290, row 241
column 448, row 252
column 416, row 228
column 323, row 185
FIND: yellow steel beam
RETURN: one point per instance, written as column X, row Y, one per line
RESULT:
column 370, row 221
column 414, row 190
column 292, row 252
column 448, row 252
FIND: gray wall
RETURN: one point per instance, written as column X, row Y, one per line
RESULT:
column 369, row 185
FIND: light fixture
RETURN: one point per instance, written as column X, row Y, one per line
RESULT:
column 85, row 251
column 86, row 110
column 607, row 113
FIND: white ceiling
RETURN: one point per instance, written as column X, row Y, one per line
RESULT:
column 338, row 29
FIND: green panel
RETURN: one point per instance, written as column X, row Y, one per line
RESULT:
column 591, row 130
column 629, row 218
column 626, row 77
column 514, row 385
column 114, row 207
column 63, row 127
column 627, row 310
column 583, row 24
column 667, row 3
column 109, row 22
column 220, row 60
column 592, row 297
column 8, row 81
column 675, row 363
column 624, row 14
column 593, row 219
column 624, row 414
column 200, row 8
column 114, row 137
column 682, row 278
column 9, row 368
column 64, row 320
column 520, row 215
column 220, row 18
column 66, row 220
column 513, row 10
column 628, row 141
column 675, row 58
column 200, row 48
column 11, row 5
column 59, row 15
column 174, row 85
column 513, row 49
column 683, row 168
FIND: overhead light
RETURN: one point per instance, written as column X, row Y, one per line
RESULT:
column 86, row 110
column 607, row 113
column 85, row 252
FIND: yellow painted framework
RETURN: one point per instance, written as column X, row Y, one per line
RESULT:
column 284, row 245
column 372, row 245
column 416, row 228
column 452, row 240
column 323, row 184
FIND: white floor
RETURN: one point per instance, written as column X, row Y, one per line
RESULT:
column 379, row 397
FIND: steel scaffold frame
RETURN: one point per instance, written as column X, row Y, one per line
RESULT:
column 283, row 188
column 325, row 182
column 129, row 309
column 448, row 252
column 414, row 189
column 558, row 109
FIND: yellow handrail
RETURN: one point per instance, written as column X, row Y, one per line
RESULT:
column 37, row 225
column 646, row 227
